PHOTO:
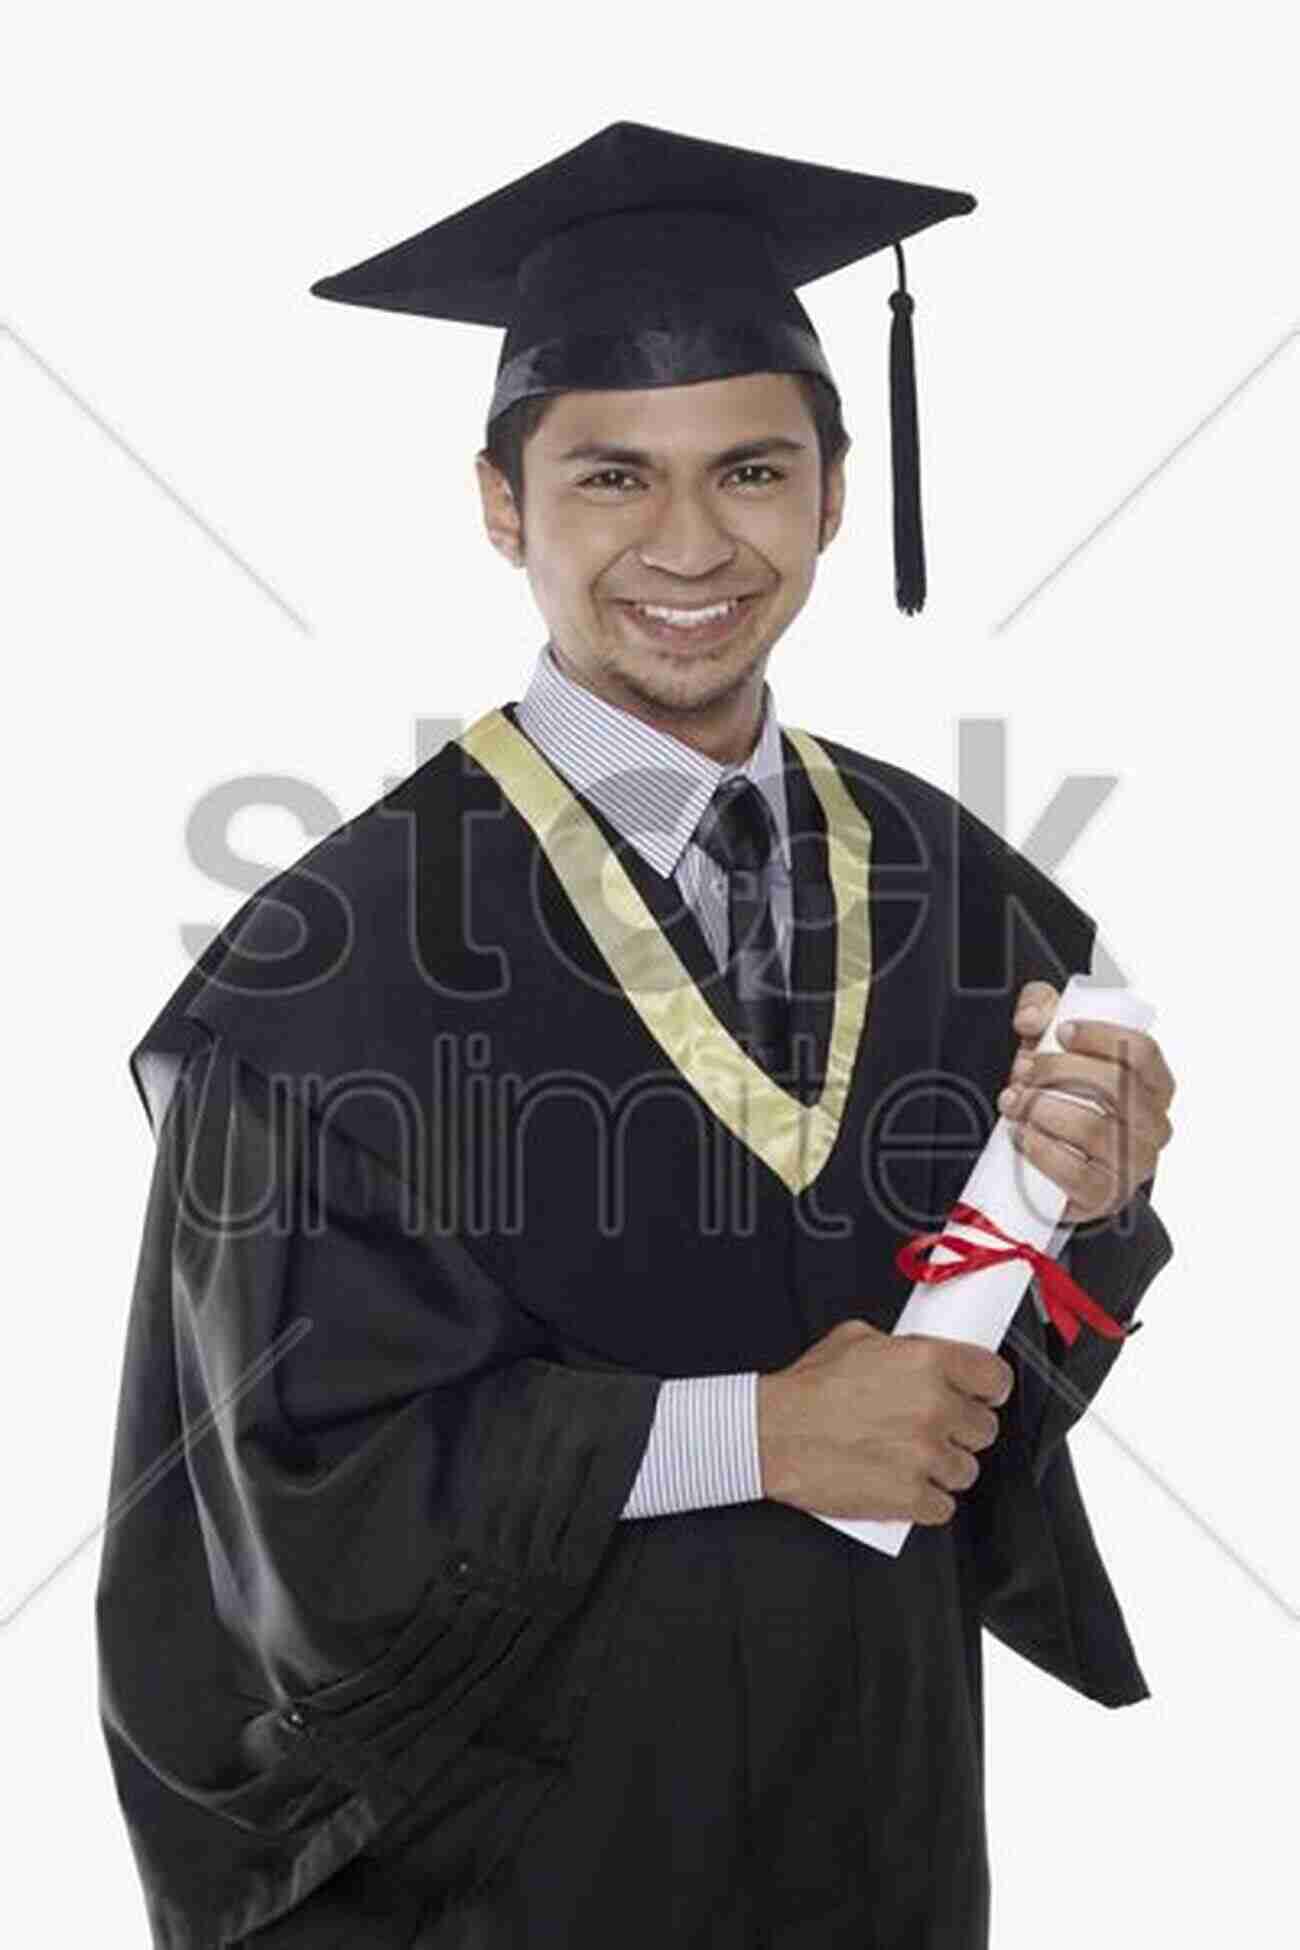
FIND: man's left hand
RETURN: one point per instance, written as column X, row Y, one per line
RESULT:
column 1099, row 1156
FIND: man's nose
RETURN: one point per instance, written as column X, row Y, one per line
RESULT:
column 686, row 538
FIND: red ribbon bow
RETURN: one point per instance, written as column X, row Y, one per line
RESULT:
column 1064, row 1298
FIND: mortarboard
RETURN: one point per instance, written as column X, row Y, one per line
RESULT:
column 647, row 258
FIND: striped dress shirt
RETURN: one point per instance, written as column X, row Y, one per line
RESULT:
column 703, row 1444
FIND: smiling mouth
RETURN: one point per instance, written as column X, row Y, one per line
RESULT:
column 689, row 620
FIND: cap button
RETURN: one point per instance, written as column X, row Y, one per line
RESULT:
column 294, row 1718
column 461, row 1567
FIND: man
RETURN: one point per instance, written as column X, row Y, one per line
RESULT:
column 519, row 1266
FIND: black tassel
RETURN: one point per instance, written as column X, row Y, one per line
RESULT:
column 909, row 544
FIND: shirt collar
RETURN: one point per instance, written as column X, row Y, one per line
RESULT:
column 650, row 786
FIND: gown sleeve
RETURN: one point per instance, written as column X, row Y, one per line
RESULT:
column 1044, row 1589
column 1040, row 934
column 353, row 1509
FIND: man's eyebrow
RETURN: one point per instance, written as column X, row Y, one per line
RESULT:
column 776, row 443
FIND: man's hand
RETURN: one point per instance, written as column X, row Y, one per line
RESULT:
column 1100, row 1156
column 866, row 1424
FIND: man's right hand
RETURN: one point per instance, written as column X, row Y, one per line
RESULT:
column 866, row 1424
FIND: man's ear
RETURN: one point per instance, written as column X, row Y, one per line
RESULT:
column 501, row 516
column 832, row 503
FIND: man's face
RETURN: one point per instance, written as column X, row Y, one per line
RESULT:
column 678, row 497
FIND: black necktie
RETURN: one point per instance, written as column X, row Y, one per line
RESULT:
column 736, row 831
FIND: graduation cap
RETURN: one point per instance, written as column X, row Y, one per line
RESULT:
column 646, row 258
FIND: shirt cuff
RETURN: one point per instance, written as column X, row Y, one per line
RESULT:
column 702, row 1449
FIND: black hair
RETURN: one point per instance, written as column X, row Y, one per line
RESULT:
column 510, row 432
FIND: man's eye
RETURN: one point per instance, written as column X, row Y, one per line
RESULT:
column 759, row 467
column 606, row 477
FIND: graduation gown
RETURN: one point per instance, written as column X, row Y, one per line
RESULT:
column 458, row 1155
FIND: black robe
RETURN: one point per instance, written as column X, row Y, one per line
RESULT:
column 459, row 1156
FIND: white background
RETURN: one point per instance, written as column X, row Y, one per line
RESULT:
column 176, row 178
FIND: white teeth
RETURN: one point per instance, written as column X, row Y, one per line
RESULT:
column 684, row 618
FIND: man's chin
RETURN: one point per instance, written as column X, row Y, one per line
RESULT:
column 688, row 683
column 689, row 674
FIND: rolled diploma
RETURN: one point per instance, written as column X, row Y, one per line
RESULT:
column 979, row 1306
